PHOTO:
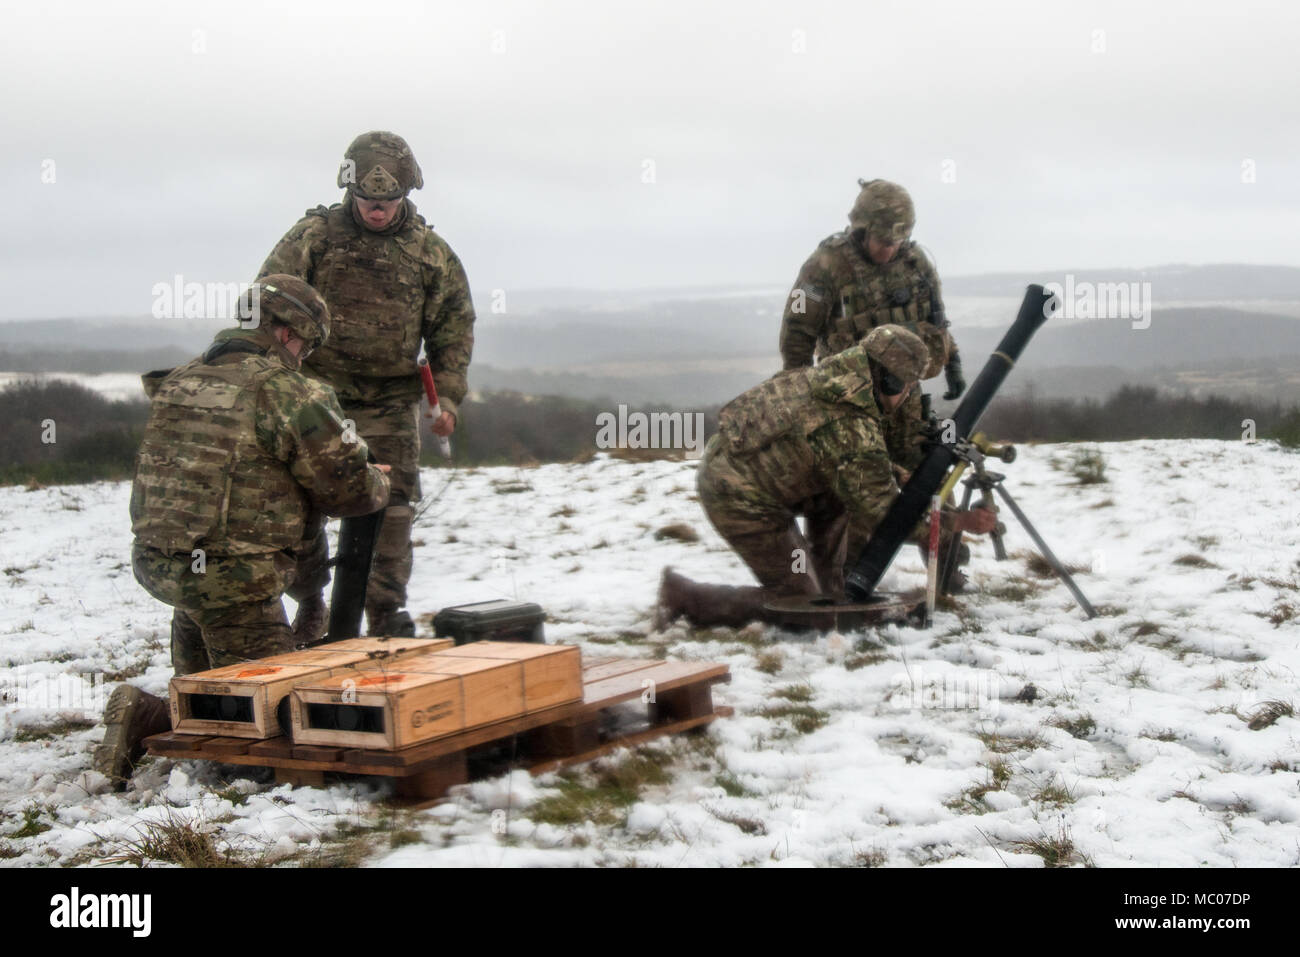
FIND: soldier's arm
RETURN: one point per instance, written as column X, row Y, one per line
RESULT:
column 938, row 312
column 851, row 455
column 807, row 310
column 301, row 424
column 448, row 328
column 300, row 249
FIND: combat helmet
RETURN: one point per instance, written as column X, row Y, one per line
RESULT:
column 379, row 165
column 900, row 352
column 289, row 300
column 883, row 210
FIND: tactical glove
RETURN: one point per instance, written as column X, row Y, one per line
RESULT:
column 952, row 374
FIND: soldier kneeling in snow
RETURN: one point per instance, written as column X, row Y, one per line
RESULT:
column 805, row 442
column 239, row 448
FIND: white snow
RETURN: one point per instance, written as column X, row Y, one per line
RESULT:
column 911, row 747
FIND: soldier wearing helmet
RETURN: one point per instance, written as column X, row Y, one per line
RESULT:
column 808, row 442
column 869, row 275
column 239, row 448
column 393, row 285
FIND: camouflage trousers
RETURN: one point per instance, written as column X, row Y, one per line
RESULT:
column 227, row 609
column 766, row 535
column 392, row 431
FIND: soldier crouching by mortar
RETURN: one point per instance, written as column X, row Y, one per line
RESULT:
column 392, row 285
column 805, row 442
column 238, row 449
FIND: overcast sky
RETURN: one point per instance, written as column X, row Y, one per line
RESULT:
column 187, row 138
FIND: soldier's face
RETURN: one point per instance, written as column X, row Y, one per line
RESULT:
column 881, row 251
column 378, row 213
column 890, row 403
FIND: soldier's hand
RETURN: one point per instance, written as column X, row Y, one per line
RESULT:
column 384, row 468
column 977, row 521
column 956, row 384
column 444, row 425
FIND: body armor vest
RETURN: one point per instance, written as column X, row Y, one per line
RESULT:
column 202, row 480
column 895, row 293
column 376, row 286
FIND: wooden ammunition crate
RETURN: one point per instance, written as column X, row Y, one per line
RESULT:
column 248, row 699
column 552, row 673
column 502, row 681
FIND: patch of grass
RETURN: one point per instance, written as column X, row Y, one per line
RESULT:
column 802, row 693
column 7, row 851
column 130, row 671
column 1155, row 734
column 404, row 837
column 32, row 823
column 1104, row 503
column 1137, row 677
column 1082, row 727
column 1268, row 713
column 565, row 511
column 1281, row 613
column 1039, row 567
column 1087, row 466
column 769, row 662
column 1014, row 589
column 174, row 840
column 731, row 785
column 1053, row 794
column 232, row 794
column 1191, row 560
column 803, row 718
column 1009, row 744
column 1280, row 764
column 864, row 660
column 747, row 825
column 1056, row 850
column 971, row 800
column 678, row 532
column 616, row 786
column 54, row 729
column 872, row 858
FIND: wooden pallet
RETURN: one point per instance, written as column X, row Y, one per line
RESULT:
column 543, row 740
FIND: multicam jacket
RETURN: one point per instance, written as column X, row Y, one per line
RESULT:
column 387, row 292
column 238, row 446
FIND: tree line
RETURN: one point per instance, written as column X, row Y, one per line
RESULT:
column 54, row 432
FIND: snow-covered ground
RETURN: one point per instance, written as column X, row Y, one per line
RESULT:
column 896, row 747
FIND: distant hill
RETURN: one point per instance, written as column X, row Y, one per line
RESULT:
column 1235, row 328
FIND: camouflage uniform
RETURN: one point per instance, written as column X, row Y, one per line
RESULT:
column 388, row 291
column 810, row 442
column 841, row 295
column 238, row 449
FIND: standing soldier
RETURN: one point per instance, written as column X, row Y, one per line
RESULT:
column 805, row 442
column 392, row 283
column 238, row 449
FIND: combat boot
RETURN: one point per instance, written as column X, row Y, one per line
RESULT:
column 395, row 623
column 130, row 716
column 310, row 621
column 706, row 605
